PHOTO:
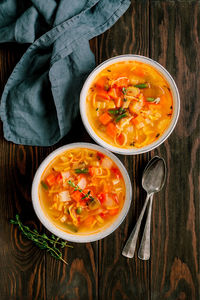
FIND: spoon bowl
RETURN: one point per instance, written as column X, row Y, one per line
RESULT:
column 153, row 180
column 154, row 175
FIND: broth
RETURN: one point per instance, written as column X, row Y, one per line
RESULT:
column 129, row 104
column 82, row 191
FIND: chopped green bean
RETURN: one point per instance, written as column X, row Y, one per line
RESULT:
column 81, row 171
column 44, row 185
column 120, row 117
column 141, row 85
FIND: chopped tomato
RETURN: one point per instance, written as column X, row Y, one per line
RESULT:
column 100, row 155
column 116, row 172
column 120, row 139
column 91, row 171
column 113, row 212
column 102, row 197
column 76, row 196
column 103, row 215
column 105, row 118
column 51, row 179
column 111, row 130
column 121, row 82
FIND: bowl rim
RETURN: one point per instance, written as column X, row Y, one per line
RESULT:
column 165, row 74
column 65, row 235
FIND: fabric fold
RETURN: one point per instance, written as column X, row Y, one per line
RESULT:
column 40, row 99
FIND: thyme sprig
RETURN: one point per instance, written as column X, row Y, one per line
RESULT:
column 76, row 188
column 42, row 240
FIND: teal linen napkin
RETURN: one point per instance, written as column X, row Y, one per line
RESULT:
column 40, row 99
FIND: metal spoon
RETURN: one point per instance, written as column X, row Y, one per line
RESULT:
column 144, row 250
column 152, row 181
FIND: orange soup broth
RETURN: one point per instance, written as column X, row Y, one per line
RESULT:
column 123, row 112
column 75, row 211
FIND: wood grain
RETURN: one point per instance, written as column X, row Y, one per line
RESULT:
column 175, row 257
column 116, row 273
column 169, row 32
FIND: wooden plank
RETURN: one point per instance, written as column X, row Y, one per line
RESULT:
column 176, row 221
column 119, row 277
column 27, row 272
column 22, row 265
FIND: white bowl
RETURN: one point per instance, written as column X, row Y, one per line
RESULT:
column 76, row 237
column 175, row 96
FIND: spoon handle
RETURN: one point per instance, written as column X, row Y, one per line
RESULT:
column 144, row 250
column 129, row 248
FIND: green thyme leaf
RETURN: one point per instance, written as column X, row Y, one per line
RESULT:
column 42, row 241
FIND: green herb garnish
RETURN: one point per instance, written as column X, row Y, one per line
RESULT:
column 120, row 117
column 124, row 90
column 81, row 171
column 76, row 188
column 97, row 109
column 44, row 185
column 113, row 111
column 42, row 240
column 141, row 85
column 124, row 99
column 117, row 111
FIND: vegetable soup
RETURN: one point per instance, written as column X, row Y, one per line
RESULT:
column 129, row 104
column 82, row 191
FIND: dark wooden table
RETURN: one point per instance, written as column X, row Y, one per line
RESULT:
column 169, row 32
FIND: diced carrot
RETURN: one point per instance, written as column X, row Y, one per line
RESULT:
column 89, row 221
column 103, row 215
column 113, row 93
column 59, row 179
column 76, row 196
column 101, row 82
column 113, row 212
column 111, row 130
column 121, row 82
column 120, row 139
column 105, row 118
column 102, row 197
column 51, row 179
column 118, row 102
column 102, row 95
